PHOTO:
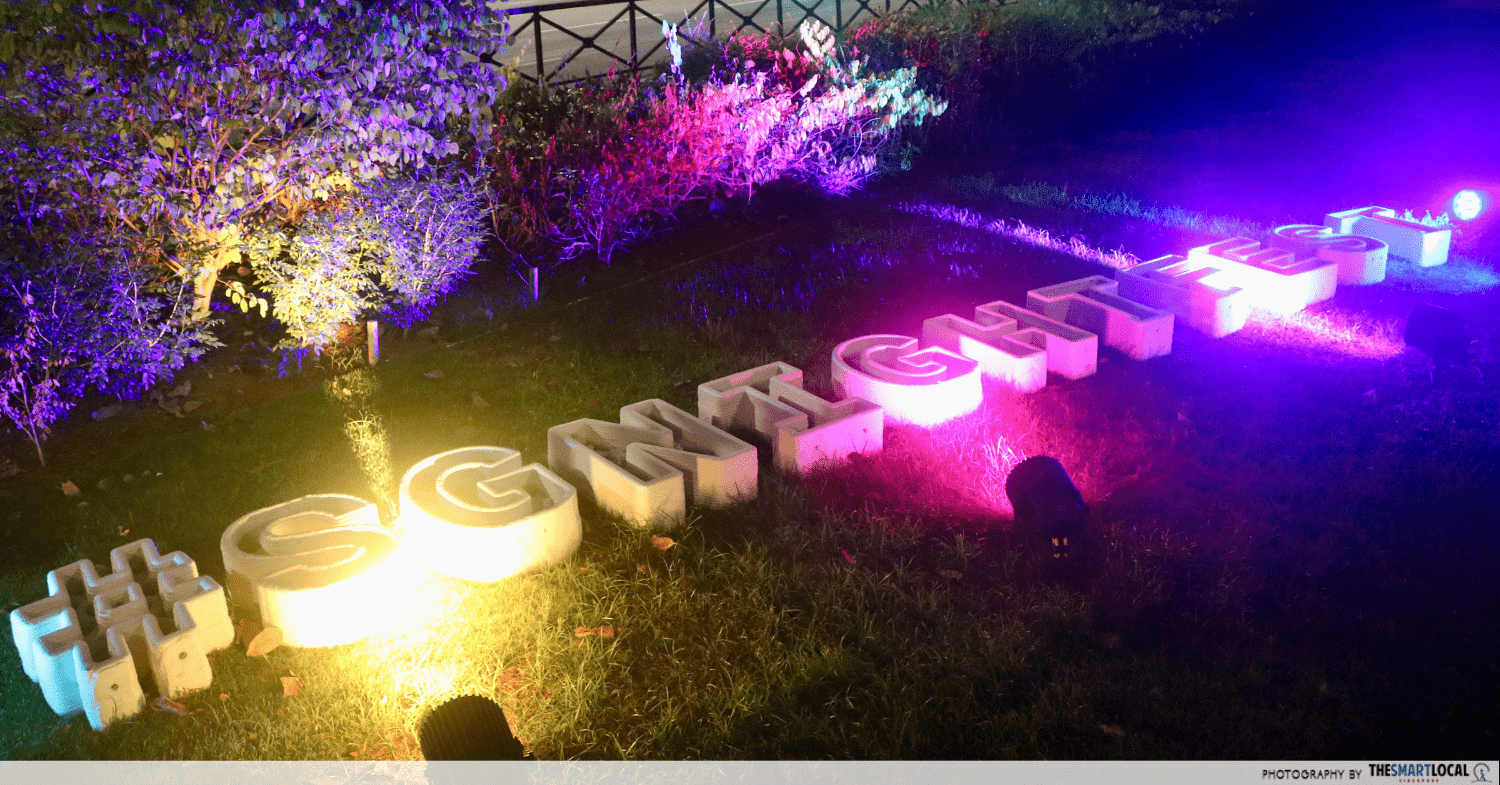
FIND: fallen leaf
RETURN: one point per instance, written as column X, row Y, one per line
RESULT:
column 181, row 391
column 124, row 532
column 69, row 489
column 434, row 374
column 1113, row 730
column 640, row 568
column 104, row 483
column 479, row 403
column 291, row 686
column 951, row 574
column 223, row 697
column 189, row 406
column 170, row 406
column 264, row 642
column 128, row 478
column 605, row 632
column 207, row 426
column 163, row 704
column 662, row 543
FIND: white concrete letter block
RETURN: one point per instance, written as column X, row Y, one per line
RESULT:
column 803, row 429
column 1425, row 245
column 1094, row 304
column 645, row 468
column 919, row 386
column 1196, row 293
column 93, row 640
column 476, row 513
column 1071, row 352
column 1274, row 279
column 1361, row 260
column 321, row 568
column 1016, row 357
column 606, row 458
column 719, row 469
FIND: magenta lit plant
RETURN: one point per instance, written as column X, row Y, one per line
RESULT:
column 591, row 166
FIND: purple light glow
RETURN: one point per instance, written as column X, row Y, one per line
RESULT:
column 1031, row 235
column 918, row 386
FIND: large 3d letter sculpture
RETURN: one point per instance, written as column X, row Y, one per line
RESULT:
column 1014, row 356
column 321, row 569
column 1425, row 245
column 1071, row 353
column 476, row 513
column 914, row 385
column 1275, row 280
column 1094, row 304
column 803, row 429
column 1361, row 260
column 645, row 467
column 1197, row 294
column 94, row 638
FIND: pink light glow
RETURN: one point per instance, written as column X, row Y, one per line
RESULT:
column 1327, row 331
column 1031, row 235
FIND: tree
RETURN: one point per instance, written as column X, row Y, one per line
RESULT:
column 196, row 123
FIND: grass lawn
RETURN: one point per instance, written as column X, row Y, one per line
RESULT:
column 1287, row 557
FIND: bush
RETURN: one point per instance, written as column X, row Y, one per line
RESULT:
column 86, row 321
column 587, row 167
column 395, row 247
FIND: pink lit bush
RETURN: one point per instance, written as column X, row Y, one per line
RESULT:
column 589, row 167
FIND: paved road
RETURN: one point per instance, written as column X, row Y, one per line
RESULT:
column 614, row 36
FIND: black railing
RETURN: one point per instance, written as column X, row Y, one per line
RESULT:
column 529, row 22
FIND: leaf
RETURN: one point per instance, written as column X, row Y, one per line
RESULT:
column 434, row 374
column 69, row 489
column 263, row 642
column 951, row 574
column 291, row 686
column 181, row 391
column 662, row 543
column 479, row 403
column 1113, row 730
column 223, row 697
column 163, row 704
column 606, row 632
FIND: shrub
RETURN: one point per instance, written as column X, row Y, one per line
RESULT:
column 589, row 166
column 85, row 321
column 394, row 247
column 200, row 122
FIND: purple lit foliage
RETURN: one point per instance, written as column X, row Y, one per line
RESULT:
column 83, row 322
column 210, row 121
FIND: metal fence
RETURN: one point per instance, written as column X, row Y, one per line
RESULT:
column 569, row 40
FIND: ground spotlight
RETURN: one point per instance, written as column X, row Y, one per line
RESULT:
column 1045, row 498
column 1439, row 332
column 1469, row 204
column 469, row 727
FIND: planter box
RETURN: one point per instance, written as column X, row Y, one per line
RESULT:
column 476, row 513
column 149, row 606
column 1094, row 304
column 1425, row 245
column 1272, row 278
column 913, row 385
column 1071, row 352
column 1361, row 260
column 802, row 429
column 1197, row 294
column 1004, row 351
column 321, row 568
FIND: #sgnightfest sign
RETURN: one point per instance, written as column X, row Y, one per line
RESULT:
column 326, row 572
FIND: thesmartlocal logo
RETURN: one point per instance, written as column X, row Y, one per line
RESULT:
column 1433, row 772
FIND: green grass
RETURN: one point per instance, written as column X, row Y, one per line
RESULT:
column 1267, row 539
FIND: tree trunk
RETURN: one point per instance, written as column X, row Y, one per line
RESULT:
column 221, row 248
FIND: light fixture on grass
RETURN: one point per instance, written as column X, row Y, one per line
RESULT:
column 1045, row 499
column 1439, row 332
column 469, row 727
column 1469, row 204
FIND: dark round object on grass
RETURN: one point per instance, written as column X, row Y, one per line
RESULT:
column 1045, row 499
column 1439, row 332
column 469, row 727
